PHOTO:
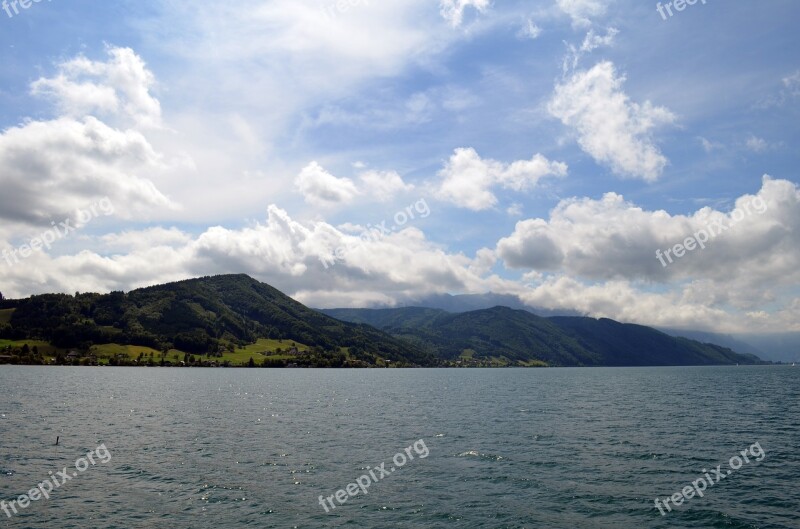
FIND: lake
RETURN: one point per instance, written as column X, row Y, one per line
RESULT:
column 502, row 448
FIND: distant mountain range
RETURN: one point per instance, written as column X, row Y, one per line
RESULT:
column 224, row 314
column 501, row 334
column 777, row 347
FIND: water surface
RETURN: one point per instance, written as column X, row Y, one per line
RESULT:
column 509, row 448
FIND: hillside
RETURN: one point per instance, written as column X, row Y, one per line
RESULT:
column 236, row 320
column 520, row 337
column 199, row 316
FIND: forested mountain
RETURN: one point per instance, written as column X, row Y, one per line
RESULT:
column 519, row 336
column 229, row 313
column 196, row 316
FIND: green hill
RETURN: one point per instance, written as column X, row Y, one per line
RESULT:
column 201, row 316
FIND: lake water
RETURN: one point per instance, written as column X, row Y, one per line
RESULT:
column 507, row 448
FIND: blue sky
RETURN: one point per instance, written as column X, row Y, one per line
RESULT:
column 555, row 145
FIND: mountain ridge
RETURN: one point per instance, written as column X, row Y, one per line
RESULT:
column 224, row 314
column 521, row 336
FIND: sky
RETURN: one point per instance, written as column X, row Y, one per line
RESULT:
column 620, row 158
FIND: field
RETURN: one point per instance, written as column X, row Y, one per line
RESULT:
column 44, row 347
column 264, row 348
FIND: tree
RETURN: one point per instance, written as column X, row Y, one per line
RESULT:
column 251, row 363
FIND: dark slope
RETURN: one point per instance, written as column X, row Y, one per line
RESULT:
column 522, row 337
column 623, row 344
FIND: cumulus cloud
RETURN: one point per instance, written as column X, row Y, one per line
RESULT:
column 611, row 128
column 594, row 256
column 321, row 188
column 467, row 179
column 453, row 10
column 751, row 253
column 316, row 262
column 118, row 87
column 384, row 185
column 51, row 168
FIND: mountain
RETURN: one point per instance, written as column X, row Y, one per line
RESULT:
column 470, row 302
column 724, row 340
column 501, row 333
column 199, row 316
column 625, row 344
column 234, row 318
column 505, row 335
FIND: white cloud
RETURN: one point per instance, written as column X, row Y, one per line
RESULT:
column 515, row 210
column 281, row 251
column 583, row 11
column 594, row 256
column 453, row 10
column 51, row 168
column 119, row 87
column 146, row 239
column 320, row 188
column 467, row 179
column 48, row 169
column 611, row 128
column 598, row 257
column 530, row 30
column 591, row 42
column 384, row 185
column 754, row 246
